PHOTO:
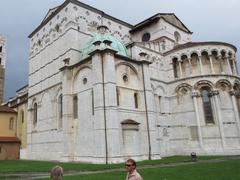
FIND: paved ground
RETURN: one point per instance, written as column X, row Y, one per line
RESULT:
column 34, row 175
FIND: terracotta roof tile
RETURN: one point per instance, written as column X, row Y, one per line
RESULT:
column 9, row 139
column 7, row 109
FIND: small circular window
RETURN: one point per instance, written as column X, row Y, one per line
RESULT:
column 125, row 78
column 146, row 37
column 85, row 80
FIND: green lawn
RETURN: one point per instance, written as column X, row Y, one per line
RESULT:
column 228, row 170
column 44, row 166
column 223, row 170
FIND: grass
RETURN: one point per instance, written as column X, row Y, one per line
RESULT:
column 222, row 170
column 16, row 166
column 227, row 170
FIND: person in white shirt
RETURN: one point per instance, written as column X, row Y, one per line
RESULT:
column 132, row 173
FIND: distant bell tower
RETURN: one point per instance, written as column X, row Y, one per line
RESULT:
column 2, row 65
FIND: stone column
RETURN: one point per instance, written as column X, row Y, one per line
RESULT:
column 200, row 64
column 235, row 67
column 180, row 68
column 221, row 64
column 111, row 109
column 215, row 94
column 98, row 118
column 236, row 112
column 69, row 127
column 194, row 96
column 229, row 66
column 211, row 64
column 190, row 66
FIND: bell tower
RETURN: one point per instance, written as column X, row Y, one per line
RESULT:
column 2, row 65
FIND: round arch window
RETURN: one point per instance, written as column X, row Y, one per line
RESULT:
column 146, row 37
column 177, row 36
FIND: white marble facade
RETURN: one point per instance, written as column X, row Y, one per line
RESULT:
column 166, row 96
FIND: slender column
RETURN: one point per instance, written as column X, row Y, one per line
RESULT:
column 221, row 64
column 235, row 67
column 180, row 67
column 229, row 66
column 236, row 113
column 190, row 65
column 219, row 114
column 200, row 64
column 211, row 64
column 194, row 96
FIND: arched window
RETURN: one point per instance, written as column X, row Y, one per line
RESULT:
column 175, row 61
column 160, row 103
column 136, row 100
column 207, row 106
column 177, row 37
column 11, row 123
column 75, row 107
column 35, row 114
column 60, row 111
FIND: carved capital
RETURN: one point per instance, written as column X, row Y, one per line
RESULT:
column 219, row 57
column 232, row 93
column 214, row 92
column 195, row 94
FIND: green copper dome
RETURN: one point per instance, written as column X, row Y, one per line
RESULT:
column 116, row 45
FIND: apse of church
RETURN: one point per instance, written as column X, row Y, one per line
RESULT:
column 102, row 90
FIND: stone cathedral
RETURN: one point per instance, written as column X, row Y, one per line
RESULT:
column 102, row 90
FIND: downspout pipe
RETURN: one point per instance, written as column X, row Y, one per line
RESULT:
column 146, row 107
column 104, row 112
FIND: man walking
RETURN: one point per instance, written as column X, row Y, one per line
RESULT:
column 132, row 173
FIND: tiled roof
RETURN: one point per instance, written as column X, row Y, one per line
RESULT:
column 9, row 139
column 7, row 109
column 169, row 17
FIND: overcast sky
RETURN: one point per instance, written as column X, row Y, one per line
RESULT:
column 209, row 20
